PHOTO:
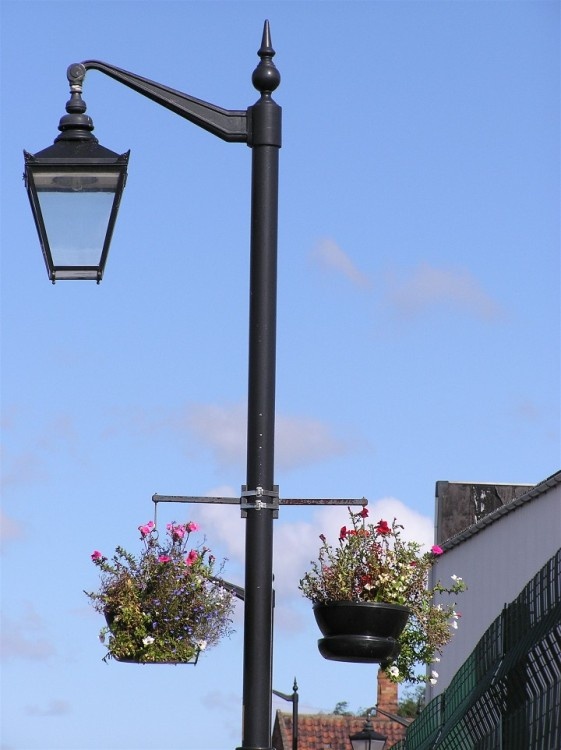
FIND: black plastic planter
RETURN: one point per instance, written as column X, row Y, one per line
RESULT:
column 358, row 632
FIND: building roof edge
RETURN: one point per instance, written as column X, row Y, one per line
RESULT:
column 531, row 494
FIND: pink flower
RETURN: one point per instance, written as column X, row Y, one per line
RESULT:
column 192, row 557
column 164, row 558
column 343, row 532
column 146, row 528
column 436, row 550
column 96, row 555
column 192, row 526
column 176, row 531
column 363, row 513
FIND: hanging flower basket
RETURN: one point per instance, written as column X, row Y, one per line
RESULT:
column 360, row 631
column 186, row 654
column 372, row 600
column 164, row 606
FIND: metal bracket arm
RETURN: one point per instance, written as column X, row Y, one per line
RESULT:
column 363, row 502
column 230, row 125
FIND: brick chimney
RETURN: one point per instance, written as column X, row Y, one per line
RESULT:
column 387, row 693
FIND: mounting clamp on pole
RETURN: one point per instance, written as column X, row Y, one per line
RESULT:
column 259, row 504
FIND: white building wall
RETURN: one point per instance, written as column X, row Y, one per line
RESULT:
column 496, row 563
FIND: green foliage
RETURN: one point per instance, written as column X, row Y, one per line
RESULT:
column 342, row 709
column 408, row 704
column 372, row 563
column 165, row 605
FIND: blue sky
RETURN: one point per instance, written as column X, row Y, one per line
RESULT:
column 418, row 322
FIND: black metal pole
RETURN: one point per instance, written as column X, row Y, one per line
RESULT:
column 260, row 128
column 264, row 137
column 294, row 700
column 295, row 716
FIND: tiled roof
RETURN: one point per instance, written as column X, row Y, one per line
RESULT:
column 329, row 731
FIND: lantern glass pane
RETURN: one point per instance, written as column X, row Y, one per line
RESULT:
column 76, row 208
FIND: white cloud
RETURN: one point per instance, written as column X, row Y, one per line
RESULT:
column 223, row 524
column 418, row 528
column 55, row 707
column 25, row 638
column 329, row 255
column 32, row 463
column 222, row 428
column 27, row 467
column 9, row 529
column 225, row 707
column 527, row 410
column 299, row 441
column 218, row 700
column 428, row 286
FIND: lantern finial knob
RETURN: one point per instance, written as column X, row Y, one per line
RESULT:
column 76, row 125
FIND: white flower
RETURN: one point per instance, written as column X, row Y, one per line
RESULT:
column 432, row 681
column 433, row 677
column 148, row 640
column 201, row 645
column 436, row 659
column 456, row 578
column 394, row 671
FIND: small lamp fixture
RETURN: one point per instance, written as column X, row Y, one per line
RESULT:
column 368, row 738
column 75, row 187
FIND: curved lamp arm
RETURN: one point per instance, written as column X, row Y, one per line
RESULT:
column 393, row 717
column 230, row 125
column 233, row 588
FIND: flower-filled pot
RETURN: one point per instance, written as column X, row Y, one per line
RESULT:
column 365, row 632
column 182, row 653
column 165, row 605
column 373, row 601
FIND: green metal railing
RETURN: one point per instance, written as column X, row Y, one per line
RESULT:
column 507, row 694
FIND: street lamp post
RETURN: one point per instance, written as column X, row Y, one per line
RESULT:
column 293, row 698
column 70, row 180
column 368, row 738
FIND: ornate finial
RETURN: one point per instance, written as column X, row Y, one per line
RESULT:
column 76, row 125
column 75, row 75
column 266, row 77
